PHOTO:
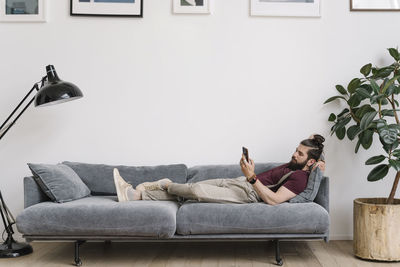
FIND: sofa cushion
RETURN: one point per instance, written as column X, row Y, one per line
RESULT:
column 212, row 218
column 99, row 177
column 59, row 182
column 100, row 215
column 309, row 194
column 204, row 172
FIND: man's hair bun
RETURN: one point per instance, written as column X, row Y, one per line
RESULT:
column 318, row 140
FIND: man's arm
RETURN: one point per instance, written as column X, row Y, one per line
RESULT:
column 270, row 197
column 267, row 195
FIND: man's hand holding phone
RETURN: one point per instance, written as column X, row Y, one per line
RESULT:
column 247, row 166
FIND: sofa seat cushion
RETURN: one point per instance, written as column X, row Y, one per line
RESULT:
column 214, row 218
column 100, row 215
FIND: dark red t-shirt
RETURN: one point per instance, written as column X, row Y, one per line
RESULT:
column 296, row 182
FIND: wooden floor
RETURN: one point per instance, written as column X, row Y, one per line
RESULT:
column 256, row 254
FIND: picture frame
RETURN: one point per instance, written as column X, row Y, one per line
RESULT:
column 23, row 11
column 374, row 5
column 191, row 6
column 116, row 8
column 285, row 8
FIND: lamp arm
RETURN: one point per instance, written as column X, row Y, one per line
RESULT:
column 4, row 128
column 5, row 215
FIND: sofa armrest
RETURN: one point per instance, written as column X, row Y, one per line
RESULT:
column 322, row 197
column 32, row 193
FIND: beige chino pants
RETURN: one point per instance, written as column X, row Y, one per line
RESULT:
column 223, row 190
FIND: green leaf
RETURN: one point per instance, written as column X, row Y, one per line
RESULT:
column 339, row 127
column 383, row 72
column 396, row 153
column 363, row 92
column 332, row 117
column 343, row 121
column 366, row 69
column 375, row 86
column 377, row 98
column 352, row 131
column 363, row 110
column 389, row 147
column 388, row 135
column 391, row 90
column 397, row 103
column 395, row 164
column 378, row 172
column 344, row 111
column 354, row 100
column 357, row 146
column 341, row 89
column 394, row 126
column 367, row 87
column 333, row 98
column 366, row 139
column 390, row 82
column 341, row 132
column 387, row 112
column 367, row 119
column 375, row 160
column 353, row 85
column 333, row 128
column 394, row 53
column 380, row 123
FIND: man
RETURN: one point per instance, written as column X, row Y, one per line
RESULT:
column 274, row 186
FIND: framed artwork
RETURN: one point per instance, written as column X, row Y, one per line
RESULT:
column 287, row 8
column 121, row 8
column 23, row 10
column 375, row 5
column 192, row 6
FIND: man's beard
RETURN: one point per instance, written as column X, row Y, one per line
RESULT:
column 293, row 165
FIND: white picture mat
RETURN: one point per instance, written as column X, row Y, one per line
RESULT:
column 259, row 8
column 205, row 9
column 41, row 17
column 100, row 8
column 376, row 4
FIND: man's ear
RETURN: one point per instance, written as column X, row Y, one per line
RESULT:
column 310, row 162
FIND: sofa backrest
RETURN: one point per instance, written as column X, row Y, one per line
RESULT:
column 204, row 172
column 99, row 177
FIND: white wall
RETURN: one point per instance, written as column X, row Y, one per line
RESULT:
column 191, row 89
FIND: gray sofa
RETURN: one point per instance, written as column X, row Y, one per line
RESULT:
column 101, row 217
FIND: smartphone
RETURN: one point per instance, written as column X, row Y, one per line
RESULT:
column 246, row 154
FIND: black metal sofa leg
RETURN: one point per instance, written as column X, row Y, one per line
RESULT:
column 78, row 261
column 277, row 253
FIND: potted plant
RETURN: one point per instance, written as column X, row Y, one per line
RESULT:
column 371, row 108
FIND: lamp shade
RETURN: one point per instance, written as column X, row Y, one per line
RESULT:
column 56, row 91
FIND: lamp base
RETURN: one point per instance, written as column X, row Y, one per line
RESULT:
column 12, row 249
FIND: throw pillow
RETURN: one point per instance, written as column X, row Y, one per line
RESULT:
column 59, row 182
column 309, row 194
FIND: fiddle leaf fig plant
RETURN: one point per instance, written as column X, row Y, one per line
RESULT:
column 371, row 108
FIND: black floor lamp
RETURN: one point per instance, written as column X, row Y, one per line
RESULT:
column 52, row 91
